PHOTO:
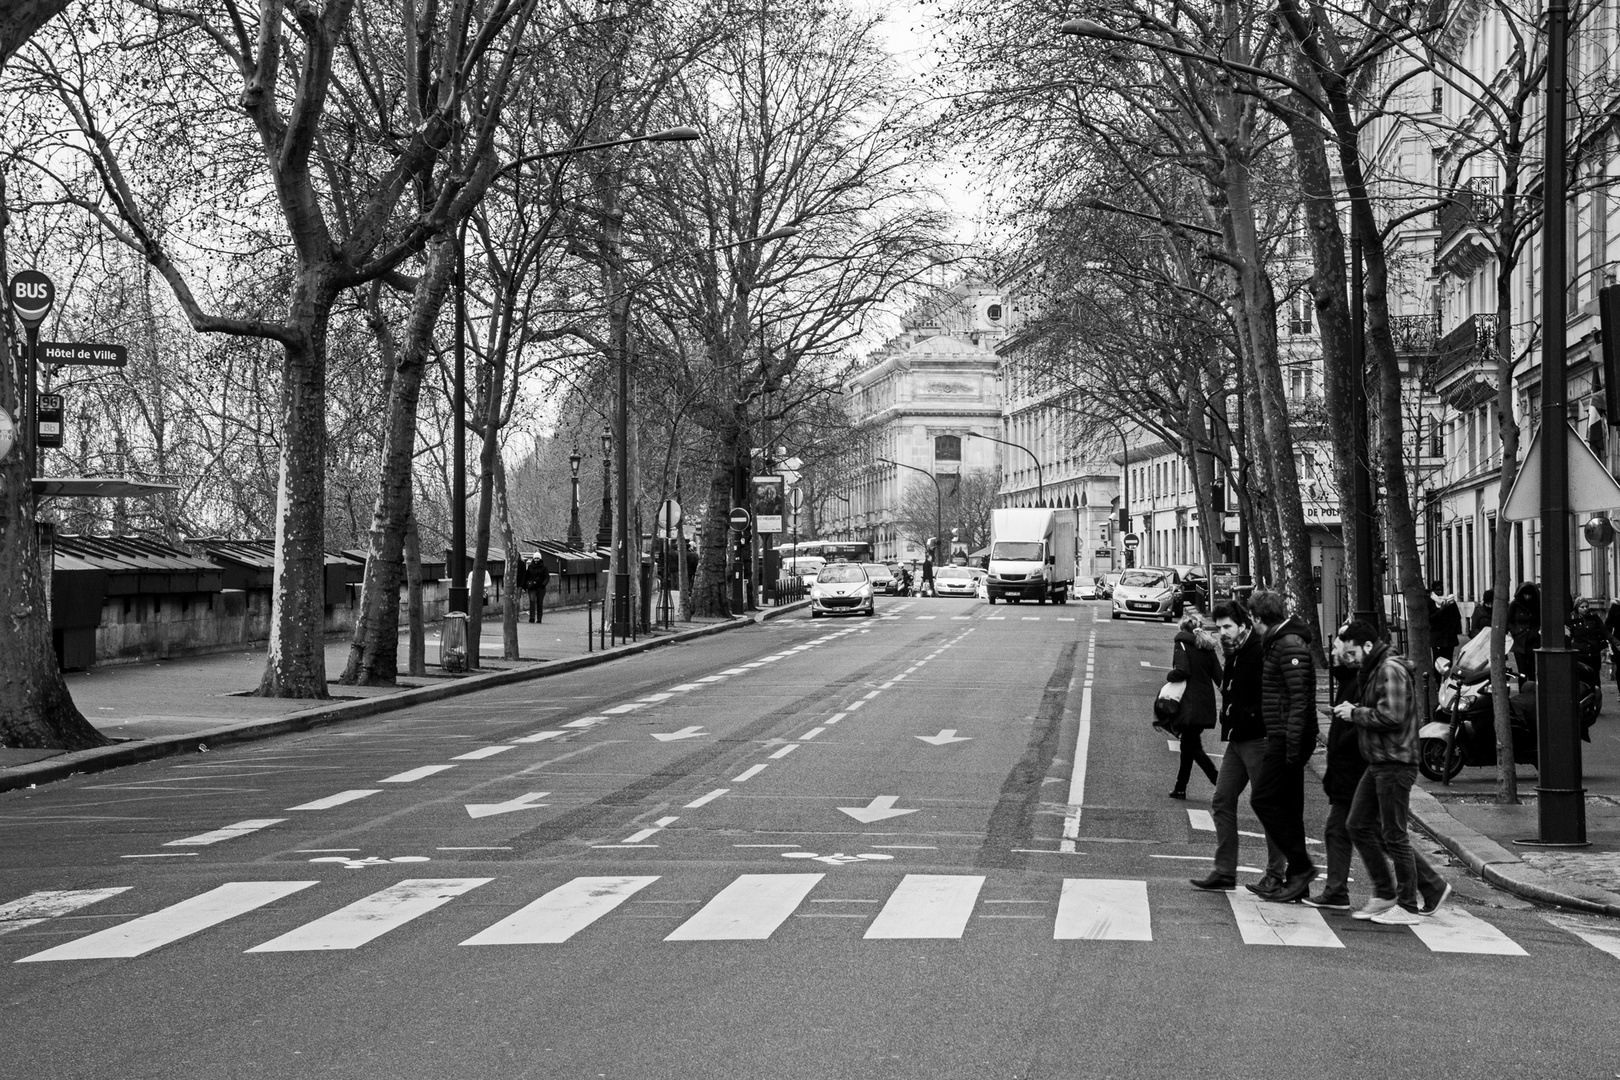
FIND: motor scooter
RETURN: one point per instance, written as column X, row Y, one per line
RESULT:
column 1463, row 730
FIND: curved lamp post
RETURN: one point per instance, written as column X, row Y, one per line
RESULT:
column 1040, row 485
column 937, row 500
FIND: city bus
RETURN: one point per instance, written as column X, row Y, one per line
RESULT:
column 855, row 551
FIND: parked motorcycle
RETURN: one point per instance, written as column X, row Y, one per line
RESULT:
column 1463, row 731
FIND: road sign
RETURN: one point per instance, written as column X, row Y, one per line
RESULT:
column 669, row 519
column 82, row 354
column 739, row 519
column 796, row 500
column 1132, row 541
column 1104, row 553
column 49, row 419
column 32, row 295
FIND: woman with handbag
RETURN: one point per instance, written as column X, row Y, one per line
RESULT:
column 1197, row 657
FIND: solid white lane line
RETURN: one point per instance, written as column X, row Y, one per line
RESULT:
column 928, row 906
column 926, row 618
column 749, row 773
column 1264, row 923
column 1201, row 820
column 479, row 755
column 749, row 909
column 1064, row 618
column 785, row 751
column 37, row 907
column 372, row 916
column 172, row 923
column 1031, row 618
column 961, row 617
column 704, row 800
column 337, row 800
column 812, row 733
column 1101, row 910
column 1453, row 930
column 161, row 855
column 735, row 671
column 410, row 775
column 229, row 832
column 562, row 912
column 620, row 710
column 1077, row 774
column 653, row 699
column 657, row 827
column 683, row 688
column 712, row 679
column 539, row 736
column 1147, row 663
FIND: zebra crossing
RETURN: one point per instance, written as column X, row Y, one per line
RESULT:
column 752, row 907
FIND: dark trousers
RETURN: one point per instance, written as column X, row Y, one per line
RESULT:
column 1240, row 767
column 1278, row 800
column 1339, row 849
column 1192, row 751
column 1378, row 825
column 536, row 605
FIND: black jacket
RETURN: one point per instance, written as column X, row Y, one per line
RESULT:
column 1241, row 718
column 1203, row 668
column 1344, row 761
column 1288, row 690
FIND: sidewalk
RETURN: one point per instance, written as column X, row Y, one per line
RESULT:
column 186, row 704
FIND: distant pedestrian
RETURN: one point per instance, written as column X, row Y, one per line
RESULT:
column 1288, row 701
column 1344, row 769
column 535, row 578
column 1445, row 621
column 927, row 577
column 1480, row 618
column 1244, row 728
column 1196, row 656
column 1524, row 623
column 1387, row 719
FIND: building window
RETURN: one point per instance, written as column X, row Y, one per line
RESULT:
column 947, row 448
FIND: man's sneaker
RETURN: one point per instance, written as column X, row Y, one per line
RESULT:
column 1265, row 886
column 1431, row 906
column 1374, row 908
column 1215, row 882
column 1396, row 916
column 1328, row 903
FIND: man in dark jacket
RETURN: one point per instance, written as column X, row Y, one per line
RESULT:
column 1244, row 731
column 1387, row 717
column 1288, row 703
column 1344, row 769
column 535, row 579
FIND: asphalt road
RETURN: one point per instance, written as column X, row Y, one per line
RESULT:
column 861, row 849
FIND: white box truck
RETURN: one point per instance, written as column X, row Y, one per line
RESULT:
column 1032, row 555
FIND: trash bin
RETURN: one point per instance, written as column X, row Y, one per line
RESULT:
column 453, row 642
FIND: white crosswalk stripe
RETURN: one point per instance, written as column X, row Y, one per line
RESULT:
column 172, row 923
column 373, row 916
column 562, row 912
column 752, row 907
column 229, row 832
column 749, row 909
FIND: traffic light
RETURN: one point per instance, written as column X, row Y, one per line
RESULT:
column 1124, row 520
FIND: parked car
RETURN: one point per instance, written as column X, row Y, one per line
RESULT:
column 1086, row 590
column 1194, row 584
column 1150, row 592
column 1106, row 583
column 882, row 579
column 842, row 589
column 955, row 581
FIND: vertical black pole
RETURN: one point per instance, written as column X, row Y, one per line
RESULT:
column 1365, row 606
column 458, row 442
column 1561, row 805
column 31, row 412
column 621, row 575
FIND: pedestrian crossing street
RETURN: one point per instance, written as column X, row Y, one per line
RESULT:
column 755, row 907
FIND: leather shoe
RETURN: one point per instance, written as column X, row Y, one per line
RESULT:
column 1178, row 794
column 1215, row 883
column 1294, row 887
column 1265, row 886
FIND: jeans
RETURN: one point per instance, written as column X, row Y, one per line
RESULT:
column 1339, row 849
column 1192, row 751
column 1278, row 800
column 1239, row 767
column 536, row 606
column 1377, row 823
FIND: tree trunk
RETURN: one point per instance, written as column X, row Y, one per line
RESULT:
column 374, row 652
column 295, row 666
column 711, row 592
column 511, row 599
column 1507, row 772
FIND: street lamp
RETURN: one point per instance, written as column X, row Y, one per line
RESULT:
column 937, row 500
column 1040, row 485
column 1561, row 801
column 576, row 539
column 458, row 483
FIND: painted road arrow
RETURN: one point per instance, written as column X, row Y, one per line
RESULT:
column 522, row 802
column 880, row 808
column 946, row 735
column 684, row 733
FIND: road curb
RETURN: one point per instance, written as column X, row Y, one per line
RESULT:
column 1492, row 862
column 102, row 758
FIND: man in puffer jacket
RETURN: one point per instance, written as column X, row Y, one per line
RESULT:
column 1288, row 703
column 1387, row 719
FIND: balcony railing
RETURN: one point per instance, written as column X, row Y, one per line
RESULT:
column 1470, row 342
column 1473, row 202
column 1415, row 335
